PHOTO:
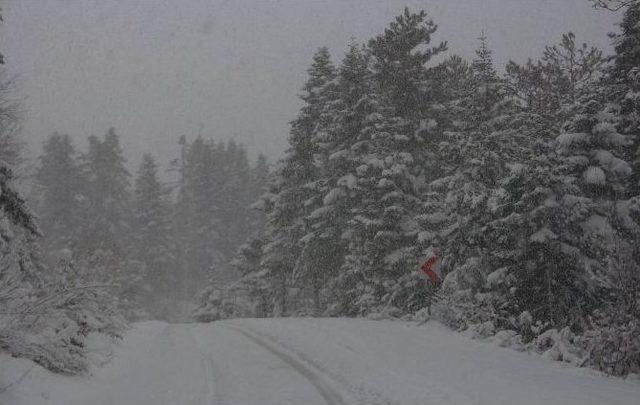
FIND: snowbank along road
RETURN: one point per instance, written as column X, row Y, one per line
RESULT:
column 309, row 362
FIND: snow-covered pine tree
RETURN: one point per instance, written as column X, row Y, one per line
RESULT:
column 378, row 245
column 105, row 246
column 454, row 77
column 452, row 80
column 390, row 168
column 292, row 192
column 565, row 71
column 196, row 219
column 584, row 221
column 623, row 79
column 593, row 173
column 46, row 313
column 108, row 213
column 10, row 144
column 572, row 69
column 517, row 255
column 278, row 249
column 237, row 191
column 259, row 180
column 521, row 251
column 337, row 160
column 398, row 61
column 213, row 215
column 252, row 286
column 36, row 321
column 476, row 155
column 593, row 207
column 152, row 244
column 60, row 187
column 338, row 128
column 614, row 343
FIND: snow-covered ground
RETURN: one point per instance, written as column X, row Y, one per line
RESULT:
column 311, row 361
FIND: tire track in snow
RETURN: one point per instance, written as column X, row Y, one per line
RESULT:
column 366, row 393
column 331, row 396
column 214, row 394
column 210, row 378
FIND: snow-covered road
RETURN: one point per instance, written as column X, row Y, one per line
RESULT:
column 312, row 361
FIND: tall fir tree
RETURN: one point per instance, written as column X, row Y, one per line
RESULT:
column 474, row 157
column 108, row 212
column 195, row 217
column 61, row 188
column 391, row 165
column 623, row 79
column 342, row 122
column 105, row 246
column 551, row 85
column 289, row 196
column 152, row 243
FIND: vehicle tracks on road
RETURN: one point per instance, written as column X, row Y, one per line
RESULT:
column 319, row 381
column 214, row 394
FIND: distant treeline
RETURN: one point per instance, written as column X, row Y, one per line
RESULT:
column 157, row 244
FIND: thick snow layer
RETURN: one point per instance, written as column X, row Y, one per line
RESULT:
column 312, row 361
column 543, row 236
column 332, row 196
column 594, row 175
column 497, row 277
column 612, row 163
column 598, row 225
column 350, row 181
column 570, row 139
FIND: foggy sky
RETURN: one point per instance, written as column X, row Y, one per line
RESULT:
column 158, row 69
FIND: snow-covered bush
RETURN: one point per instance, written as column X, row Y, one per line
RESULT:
column 614, row 340
column 46, row 313
column 560, row 345
column 50, row 323
column 615, row 349
column 231, row 301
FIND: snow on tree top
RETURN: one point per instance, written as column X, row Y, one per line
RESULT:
column 594, row 175
column 348, row 181
column 612, row 163
column 570, row 139
column 543, row 236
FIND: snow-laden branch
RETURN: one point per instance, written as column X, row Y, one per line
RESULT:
column 614, row 5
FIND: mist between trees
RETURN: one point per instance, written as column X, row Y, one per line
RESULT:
column 526, row 182
column 158, row 244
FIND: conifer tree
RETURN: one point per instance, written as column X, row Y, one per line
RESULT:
column 60, row 187
column 213, row 216
column 108, row 211
column 152, row 238
column 391, row 164
column 623, row 79
column 336, row 160
column 485, row 145
column 196, row 216
column 236, row 195
column 105, row 246
column 10, row 114
column 476, row 159
column 592, row 174
column 398, row 61
column 551, row 85
column 290, row 197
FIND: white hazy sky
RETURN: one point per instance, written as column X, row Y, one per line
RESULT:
column 158, row 69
